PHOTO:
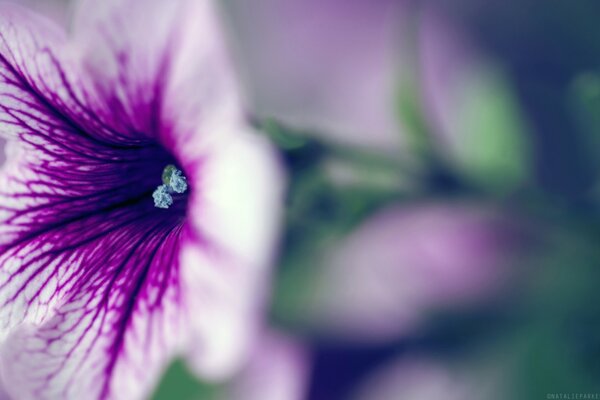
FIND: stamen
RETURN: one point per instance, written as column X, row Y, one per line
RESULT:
column 173, row 182
column 162, row 198
column 178, row 182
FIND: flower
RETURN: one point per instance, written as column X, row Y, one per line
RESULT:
column 99, row 288
column 391, row 75
column 387, row 276
column 323, row 65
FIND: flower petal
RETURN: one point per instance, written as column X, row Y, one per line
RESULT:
column 382, row 281
column 41, row 82
column 2, row 149
column 89, row 278
column 90, row 289
column 155, row 67
column 323, row 65
column 118, row 321
column 237, row 210
column 58, row 179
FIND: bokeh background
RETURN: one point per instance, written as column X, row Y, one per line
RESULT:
column 442, row 232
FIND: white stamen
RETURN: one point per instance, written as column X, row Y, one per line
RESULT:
column 162, row 197
column 178, row 183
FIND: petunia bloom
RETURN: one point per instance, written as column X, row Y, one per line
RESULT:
column 405, row 262
column 100, row 288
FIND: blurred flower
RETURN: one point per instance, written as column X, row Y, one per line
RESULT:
column 406, row 262
column 323, row 65
column 98, row 287
column 389, row 75
column 278, row 370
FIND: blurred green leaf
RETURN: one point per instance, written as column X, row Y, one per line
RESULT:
column 558, row 346
column 493, row 148
column 178, row 383
column 283, row 138
column 411, row 115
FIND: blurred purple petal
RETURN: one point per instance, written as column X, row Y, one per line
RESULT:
column 407, row 261
column 326, row 65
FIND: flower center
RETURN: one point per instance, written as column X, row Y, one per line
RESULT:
column 174, row 182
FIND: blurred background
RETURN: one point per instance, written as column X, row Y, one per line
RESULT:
column 443, row 212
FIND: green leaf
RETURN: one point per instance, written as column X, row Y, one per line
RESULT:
column 178, row 383
column 492, row 146
column 283, row 138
